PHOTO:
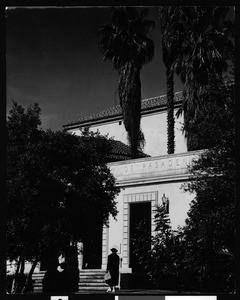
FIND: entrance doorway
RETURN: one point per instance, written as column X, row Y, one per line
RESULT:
column 139, row 213
column 92, row 246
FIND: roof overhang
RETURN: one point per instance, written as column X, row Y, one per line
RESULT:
column 116, row 118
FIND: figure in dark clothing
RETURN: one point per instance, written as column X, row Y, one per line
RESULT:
column 113, row 268
column 50, row 280
column 66, row 282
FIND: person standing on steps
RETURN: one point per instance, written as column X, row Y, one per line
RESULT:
column 113, row 269
column 65, row 279
column 50, row 281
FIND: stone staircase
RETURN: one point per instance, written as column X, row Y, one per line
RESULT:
column 90, row 280
column 37, row 284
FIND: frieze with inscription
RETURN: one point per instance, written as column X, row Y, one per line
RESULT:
column 150, row 167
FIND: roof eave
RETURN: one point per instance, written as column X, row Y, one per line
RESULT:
column 118, row 117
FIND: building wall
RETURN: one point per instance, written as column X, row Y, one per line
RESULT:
column 178, row 208
column 154, row 127
column 147, row 180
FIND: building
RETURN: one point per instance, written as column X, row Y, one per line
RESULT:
column 155, row 178
column 145, row 182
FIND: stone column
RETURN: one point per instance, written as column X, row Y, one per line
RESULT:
column 105, row 247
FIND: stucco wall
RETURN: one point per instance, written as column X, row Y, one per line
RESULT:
column 154, row 127
column 178, row 208
column 155, row 131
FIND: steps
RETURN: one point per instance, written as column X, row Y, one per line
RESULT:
column 90, row 280
column 37, row 284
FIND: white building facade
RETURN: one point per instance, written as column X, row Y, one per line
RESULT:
column 145, row 181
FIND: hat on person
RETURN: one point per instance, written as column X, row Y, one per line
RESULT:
column 114, row 248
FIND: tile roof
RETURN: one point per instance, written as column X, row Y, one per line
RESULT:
column 147, row 105
column 121, row 151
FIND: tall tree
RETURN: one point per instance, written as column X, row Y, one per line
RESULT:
column 124, row 41
column 211, row 222
column 206, row 52
column 171, row 32
column 56, row 183
column 201, row 255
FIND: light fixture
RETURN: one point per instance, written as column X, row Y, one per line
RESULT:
column 164, row 199
column 165, row 203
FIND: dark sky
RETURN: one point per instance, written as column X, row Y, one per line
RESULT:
column 53, row 59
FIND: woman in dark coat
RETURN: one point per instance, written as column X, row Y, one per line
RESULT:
column 113, row 268
column 50, row 280
column 66, row 279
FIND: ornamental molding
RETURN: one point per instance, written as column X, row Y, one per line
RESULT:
column 172, row 167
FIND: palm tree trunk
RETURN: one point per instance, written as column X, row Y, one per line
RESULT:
column 170, row 110
column 130, row 101
column 191, row 117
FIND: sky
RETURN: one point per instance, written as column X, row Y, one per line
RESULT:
column 53, row 59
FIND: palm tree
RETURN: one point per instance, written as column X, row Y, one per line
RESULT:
column 124, row 41
column 206, row 50
column 171, row 31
